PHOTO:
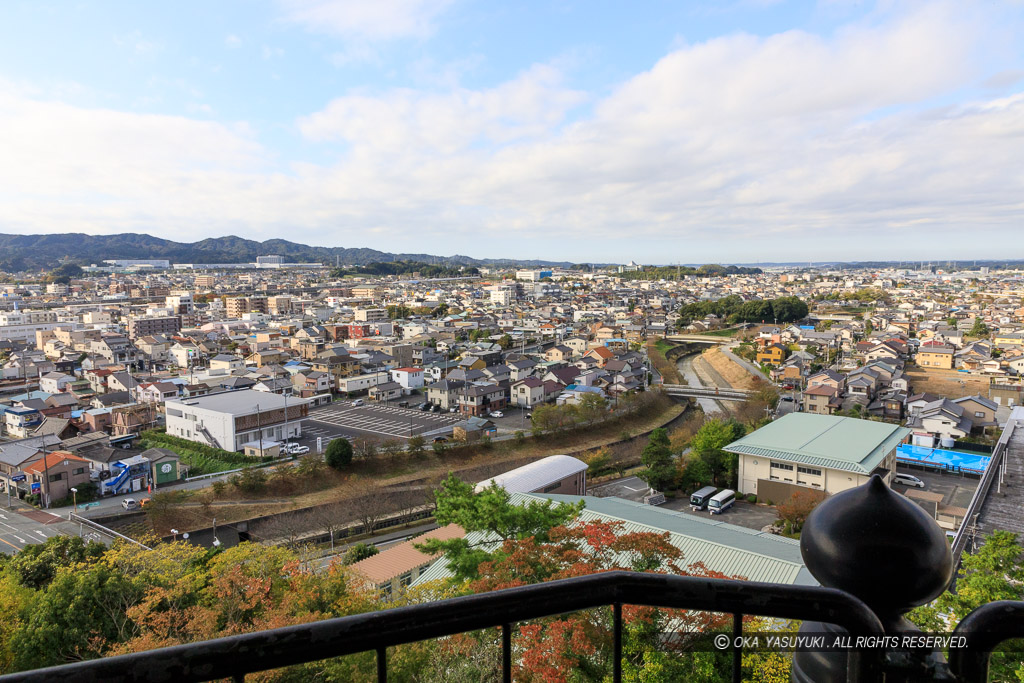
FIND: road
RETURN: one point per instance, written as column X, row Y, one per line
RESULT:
column 22, row 525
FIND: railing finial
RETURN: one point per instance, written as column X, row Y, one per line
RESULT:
column 885, row 550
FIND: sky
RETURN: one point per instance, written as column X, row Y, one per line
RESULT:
column 730, row 131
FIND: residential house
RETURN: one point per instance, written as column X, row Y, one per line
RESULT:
column 558, row 353
column 479, row 400
column 942, row 419
column 771, row 354
column 386, row 391
column 822, row 399
column 528, row 392
column 935, row 357
column 55, row 474
column 409, row 378
column 55, row 382
column 980, row 410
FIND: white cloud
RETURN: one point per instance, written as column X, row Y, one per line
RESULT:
column 727, row 149
column 137, row 43
column 376, row 20
column 232, row 41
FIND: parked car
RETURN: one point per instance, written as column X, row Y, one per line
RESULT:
column 497, row 413
column 907, row 480
column 130, row 504
column 440, row 439
column 358, row 402
column 436, row 409
column 296, row 449
column 425, row 406
column 403, row 404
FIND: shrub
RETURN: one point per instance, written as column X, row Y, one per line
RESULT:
column 339, row 454
column 360, row 551
column 250, row 480
column 751, row 498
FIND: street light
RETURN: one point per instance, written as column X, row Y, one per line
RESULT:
column 175, row 532
column 74, row 499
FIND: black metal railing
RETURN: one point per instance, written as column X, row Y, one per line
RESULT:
column 879, row 554
column 236, row 656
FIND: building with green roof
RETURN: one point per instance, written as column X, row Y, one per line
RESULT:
column 823, row 453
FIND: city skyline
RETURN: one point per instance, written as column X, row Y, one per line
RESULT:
column 751, row 132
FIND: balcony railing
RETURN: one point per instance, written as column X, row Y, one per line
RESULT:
column 851, row 542
column 236, row 656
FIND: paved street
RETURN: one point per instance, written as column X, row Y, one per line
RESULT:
column 23, row 526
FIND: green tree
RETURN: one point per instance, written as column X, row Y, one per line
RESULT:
column 416, row 444
column 36, row 565
column 63, row 274
column 338, row 454
column 708, row 444
column 657, row 457
column 492, row 512
column 993, row 572
column 979, row 329
column 359, row 551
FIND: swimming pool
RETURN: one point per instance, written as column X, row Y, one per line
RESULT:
column 944, row 460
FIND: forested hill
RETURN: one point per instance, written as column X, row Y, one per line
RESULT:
column 30, row 252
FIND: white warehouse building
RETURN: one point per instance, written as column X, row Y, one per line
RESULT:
column 232, row 419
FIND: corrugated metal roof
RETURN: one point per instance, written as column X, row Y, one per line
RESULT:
column 719, row 546
column 839, row 443
column 381, row 568
column 536, row 475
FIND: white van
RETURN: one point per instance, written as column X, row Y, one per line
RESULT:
column 722, row 502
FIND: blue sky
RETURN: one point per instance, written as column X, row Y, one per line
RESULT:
column 588, row 131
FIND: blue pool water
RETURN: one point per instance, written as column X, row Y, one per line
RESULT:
column 952, row 460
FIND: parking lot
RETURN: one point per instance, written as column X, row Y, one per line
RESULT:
column 342, row 419
column 956, row 490
column 741, row 514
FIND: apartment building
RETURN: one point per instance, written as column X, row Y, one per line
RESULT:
column 146, row 326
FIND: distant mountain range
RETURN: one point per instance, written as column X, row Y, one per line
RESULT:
column 32, row 252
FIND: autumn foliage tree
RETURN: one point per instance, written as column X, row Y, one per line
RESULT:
column 794, row 512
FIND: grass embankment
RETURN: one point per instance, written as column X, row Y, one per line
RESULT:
column 730, row 371
column 666, row 368
column 310, row 483
column 198, row 458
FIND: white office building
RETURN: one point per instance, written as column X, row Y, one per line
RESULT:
column 233, row 419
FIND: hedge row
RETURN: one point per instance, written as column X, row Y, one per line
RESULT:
column 199, row 458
